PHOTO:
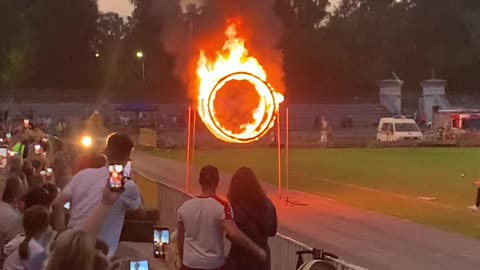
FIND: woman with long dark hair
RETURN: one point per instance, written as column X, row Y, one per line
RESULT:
column 255, row 215
column 35, row 224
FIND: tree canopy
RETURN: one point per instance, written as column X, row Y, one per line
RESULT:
column 328, row 51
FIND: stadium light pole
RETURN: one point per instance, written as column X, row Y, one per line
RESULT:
column 140, row 56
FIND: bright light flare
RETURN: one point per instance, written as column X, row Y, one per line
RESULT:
column 233, row 62
column 87, row 141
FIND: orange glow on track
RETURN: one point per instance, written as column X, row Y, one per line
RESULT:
column 233, row 63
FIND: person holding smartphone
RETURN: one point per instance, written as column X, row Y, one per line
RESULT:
column 84, row 192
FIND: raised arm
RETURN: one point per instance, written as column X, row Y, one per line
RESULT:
column 58, row 211
column 237, row 236
column 180, row 238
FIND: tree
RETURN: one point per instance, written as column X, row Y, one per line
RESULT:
column 63, row 42
column 146, row 35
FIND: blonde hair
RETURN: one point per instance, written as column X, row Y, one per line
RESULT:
column 72, row 250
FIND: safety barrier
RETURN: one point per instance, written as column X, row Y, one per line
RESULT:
column 283, row 248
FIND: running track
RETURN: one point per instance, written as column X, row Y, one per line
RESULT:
column 367, row 239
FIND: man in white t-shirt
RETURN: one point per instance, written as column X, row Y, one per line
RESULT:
column 202, row 222
column 84, row 192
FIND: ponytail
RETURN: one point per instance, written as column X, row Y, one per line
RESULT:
column 35, row 222
column 23, row 248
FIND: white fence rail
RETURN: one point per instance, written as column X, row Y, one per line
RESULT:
column 283, row 248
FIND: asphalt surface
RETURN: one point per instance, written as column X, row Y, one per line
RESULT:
column 363, row 238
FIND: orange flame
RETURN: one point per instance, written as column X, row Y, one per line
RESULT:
column 233, row 62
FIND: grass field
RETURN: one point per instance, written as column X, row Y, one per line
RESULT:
column 387, row 181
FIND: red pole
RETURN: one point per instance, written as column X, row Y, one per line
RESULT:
column 279, row 155
column 187, row 168
column 287, row 117
column 194, row 136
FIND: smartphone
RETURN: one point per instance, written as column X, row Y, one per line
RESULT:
column 116, row 179
column 38, row 148
column 3, row 157
column 161, row 237
column 127, row 171
column 139, row 265
column 67, row 205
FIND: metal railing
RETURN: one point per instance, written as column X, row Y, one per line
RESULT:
column 283, row 248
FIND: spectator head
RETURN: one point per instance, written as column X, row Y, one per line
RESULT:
column 14, row 164
column 245, row 188
column 59, row 145
column 13, row 190
column 73, row 250
column 100, row 260
column 119, row 147
column 35, row 222
column 209, row 178
column 42, row 196
column 37, row 165
column 101, row 246
column 27, row 168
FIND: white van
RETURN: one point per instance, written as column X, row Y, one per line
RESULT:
column 393, row 129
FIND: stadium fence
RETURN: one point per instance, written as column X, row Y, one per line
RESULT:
column 283, row 248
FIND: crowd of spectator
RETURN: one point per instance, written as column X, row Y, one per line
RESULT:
column 36, row 230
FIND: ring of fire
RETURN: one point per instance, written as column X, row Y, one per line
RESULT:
column 266, row 108
column 233, row 63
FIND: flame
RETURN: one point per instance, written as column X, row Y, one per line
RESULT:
column 233, row 62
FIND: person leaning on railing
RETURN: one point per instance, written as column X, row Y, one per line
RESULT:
column 255, row 215
column 202, row 223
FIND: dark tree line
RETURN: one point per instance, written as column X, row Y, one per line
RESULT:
column 70, row 45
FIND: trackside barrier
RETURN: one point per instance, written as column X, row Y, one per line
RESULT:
column 283, row 248
column 148, row 137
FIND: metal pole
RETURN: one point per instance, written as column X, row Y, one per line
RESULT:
column 143, row 70
column 194, row 133
column 279, row 157
column 187, row 168
column 287, row 117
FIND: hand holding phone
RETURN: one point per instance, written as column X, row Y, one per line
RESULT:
column 38, row 148
column 116, row 180
column 3, row 157
column 139, row 265
column 161, row 237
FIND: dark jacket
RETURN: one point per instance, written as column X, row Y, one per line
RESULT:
column 258, row 223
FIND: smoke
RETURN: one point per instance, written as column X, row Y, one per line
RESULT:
column 204, row 28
